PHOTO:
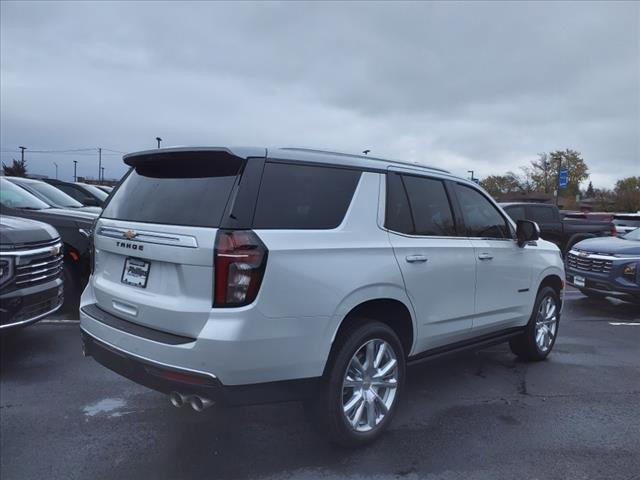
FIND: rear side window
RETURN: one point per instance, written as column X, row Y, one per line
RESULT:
column 418, row 206
column 481, row 218
column 303, row 197
column 191, row 190
column 542, row 214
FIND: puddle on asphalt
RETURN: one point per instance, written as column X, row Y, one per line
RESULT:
column 104, row 406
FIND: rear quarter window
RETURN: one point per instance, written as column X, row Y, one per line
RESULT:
column 303, row 196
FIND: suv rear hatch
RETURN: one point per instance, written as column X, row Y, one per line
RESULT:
column 154, row 243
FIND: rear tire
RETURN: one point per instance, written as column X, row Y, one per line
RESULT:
column 539, row 336
column 362, row 386
column 71, row 305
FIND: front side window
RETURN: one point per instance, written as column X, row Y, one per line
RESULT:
column 481, row 218
column 303, row 196
column 418, row 206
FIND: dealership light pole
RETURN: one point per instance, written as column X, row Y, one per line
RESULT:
column 158, row 139
column 22, row 149
column 56, row 169
column 75, row 166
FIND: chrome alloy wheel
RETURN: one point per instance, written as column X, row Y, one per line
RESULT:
column 546, row 324
column 369, row 386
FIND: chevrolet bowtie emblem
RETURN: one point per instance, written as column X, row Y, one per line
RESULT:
column 129, row 234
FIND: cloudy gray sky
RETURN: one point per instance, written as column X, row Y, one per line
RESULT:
column 482, row 86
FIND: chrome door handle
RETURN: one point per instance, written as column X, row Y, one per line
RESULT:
column 415, row 258
column 485, row 256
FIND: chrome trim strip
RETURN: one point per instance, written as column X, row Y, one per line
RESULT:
column 594, row 256
column 35, row 251
column 144, row 236
column 144, row 359
column 34, row 319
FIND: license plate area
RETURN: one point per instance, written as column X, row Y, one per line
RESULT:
column 136, row 272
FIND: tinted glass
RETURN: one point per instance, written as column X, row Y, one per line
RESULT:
column 193, row 191
column 398, row 213
column 73, row 192
column 481, row 218
column 304, row 197
column 57, row 197
column 429, row 209
column 13, row 196
column 542, row 214
column 95, row 191
column 516, row 213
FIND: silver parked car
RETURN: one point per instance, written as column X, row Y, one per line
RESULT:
column 249, row 275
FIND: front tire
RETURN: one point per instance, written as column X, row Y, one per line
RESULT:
column 539, row 336
column 362, row 385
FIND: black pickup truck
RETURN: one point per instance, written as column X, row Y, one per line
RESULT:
column 564, row 232
column 31, row 262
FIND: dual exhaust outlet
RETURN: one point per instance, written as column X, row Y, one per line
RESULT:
column 198, row 403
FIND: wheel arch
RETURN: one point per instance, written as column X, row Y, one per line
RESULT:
column 391, row 307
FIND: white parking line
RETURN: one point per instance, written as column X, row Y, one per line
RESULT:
column 617, row 324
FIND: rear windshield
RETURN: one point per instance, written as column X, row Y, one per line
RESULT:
column 58, row 197
column 191, row 190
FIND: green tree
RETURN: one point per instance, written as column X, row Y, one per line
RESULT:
column 545, row 171
column 590, row 191
column 17, row 169
column 627, row 194
column 498, row 185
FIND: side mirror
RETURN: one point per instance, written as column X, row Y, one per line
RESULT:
column 527, row 231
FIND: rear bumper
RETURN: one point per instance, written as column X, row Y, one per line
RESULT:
column 166, row 379
column 26, row 306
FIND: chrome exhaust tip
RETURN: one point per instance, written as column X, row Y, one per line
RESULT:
column 177, row 399
column 199, row 403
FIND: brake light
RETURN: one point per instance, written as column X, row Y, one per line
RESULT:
column 240, row 259
column 614, row 231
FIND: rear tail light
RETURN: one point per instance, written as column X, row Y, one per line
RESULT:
column 614, row 231
column 240, row 259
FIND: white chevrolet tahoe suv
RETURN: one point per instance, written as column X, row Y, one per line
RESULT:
column 245, row 275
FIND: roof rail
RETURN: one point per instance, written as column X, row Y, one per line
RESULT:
column 364, row 157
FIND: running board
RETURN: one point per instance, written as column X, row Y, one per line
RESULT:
column 471, row 344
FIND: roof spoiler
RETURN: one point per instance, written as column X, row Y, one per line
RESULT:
column 178, row 153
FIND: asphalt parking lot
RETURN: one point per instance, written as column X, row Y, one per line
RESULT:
column 475, row 415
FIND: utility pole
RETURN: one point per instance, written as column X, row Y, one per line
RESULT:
column 102, row 180
column 75, row 165
column 158, row 139
column 22, row 149
column 56, row 169
column 99, row 162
